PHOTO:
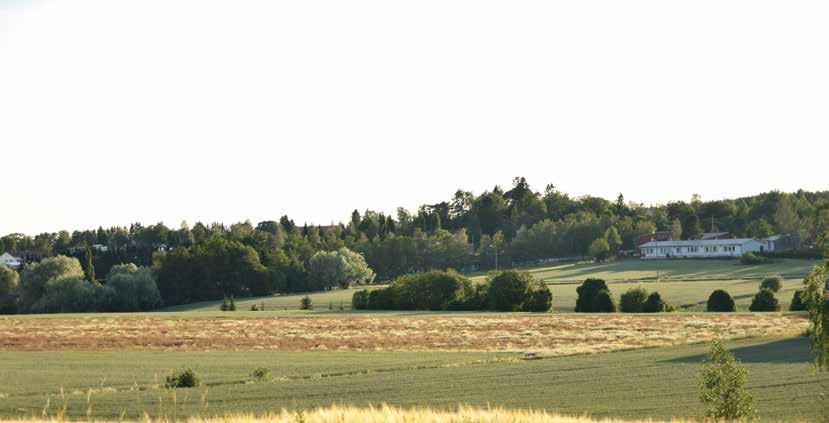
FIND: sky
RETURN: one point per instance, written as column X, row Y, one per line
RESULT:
column 116, row 111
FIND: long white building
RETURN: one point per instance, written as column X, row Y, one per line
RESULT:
column 700, row 248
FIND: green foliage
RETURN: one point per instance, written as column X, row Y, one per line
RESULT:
column 751, row 258
column 186, row 378
column 797, row 303
column 9, row 282
column 720, row 301
column 306, row 304
column 328, row 269
column 261, row 374
column 723, row 386
column 764, row 301
column 359, row 301
column 594, row 297
column 508, row 290
column 539, row 299
column 774, row 283
column 36, row 276
column 599, row 250
column 654, row 304
column 816, row 298
column 435, row 290
column 134, row 288
column 210, row 271
column 633, row 300
column 88, row 267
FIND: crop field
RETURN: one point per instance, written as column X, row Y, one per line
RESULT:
column 552, row 334
column 656, row 382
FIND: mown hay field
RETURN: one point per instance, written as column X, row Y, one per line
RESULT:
column 550, row 334
column 645, row 383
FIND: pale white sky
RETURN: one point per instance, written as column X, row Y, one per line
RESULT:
column 119, row 111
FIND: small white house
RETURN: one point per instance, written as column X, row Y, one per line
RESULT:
column 700, row 248
column 10, row 261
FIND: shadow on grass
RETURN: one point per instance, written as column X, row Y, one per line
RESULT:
column 793, row 350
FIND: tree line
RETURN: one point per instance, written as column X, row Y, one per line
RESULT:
column 496, row 228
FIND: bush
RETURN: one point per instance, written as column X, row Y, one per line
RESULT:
column 359, row 301
column 381, row 299
column 797, row 301
column 720, row 300
column 764, row 301
column 508, row 290
column 186, row 378
column 594, row 297
column 306, row 304
column 540, row 299
column 605, row 303
column 654, row 304
column 228, row 304
column 723, row 386
column 751, row 258
column 633, row 300
column 773, row 283
column 261, row 374
column 435, row 290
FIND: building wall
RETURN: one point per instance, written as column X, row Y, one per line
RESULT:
column 700, row 251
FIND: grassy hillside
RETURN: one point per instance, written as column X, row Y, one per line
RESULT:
column 634, row 384
column 681, row 282
column 635, row 270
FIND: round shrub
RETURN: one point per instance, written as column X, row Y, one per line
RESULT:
column 539, row 299
column 261, row 374
column 305, row 303
column 774, row 283
column 605, row 303
column 764, row 301
column 654, row 304
column 508, row 290
column 720, row 301
column 633, row 300
column 435, row 290
column 359, row 301
column 589, row 300
column 186, row 378
column 797, row 302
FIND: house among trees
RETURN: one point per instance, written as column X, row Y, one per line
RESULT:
column 10, row 261
column 699, row 248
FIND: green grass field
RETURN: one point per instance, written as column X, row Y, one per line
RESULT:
column 681, row 283
column 643, row 383
column 635, row 270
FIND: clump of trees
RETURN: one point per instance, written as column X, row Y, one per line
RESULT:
column 9, row 281
column 594, row 297
column 722, row 386
column 720, row 301
column 341, row 268
column 448, row 290
column 60, row 285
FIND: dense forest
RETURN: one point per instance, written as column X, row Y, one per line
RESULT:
column 518, row 225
